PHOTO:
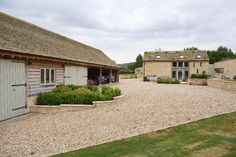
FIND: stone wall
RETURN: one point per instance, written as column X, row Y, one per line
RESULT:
column 222, row 84
column 195, row 81
column 160, row 69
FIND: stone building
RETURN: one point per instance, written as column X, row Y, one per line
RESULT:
column 175, row 64
column 225, row 69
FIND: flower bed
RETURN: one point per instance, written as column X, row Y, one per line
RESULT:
column 72, row 94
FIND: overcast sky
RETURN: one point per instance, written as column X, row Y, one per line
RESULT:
column 125, row 28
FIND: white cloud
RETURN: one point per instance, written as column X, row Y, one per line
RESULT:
column 124, row 28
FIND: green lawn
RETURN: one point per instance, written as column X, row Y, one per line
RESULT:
column 209, row 137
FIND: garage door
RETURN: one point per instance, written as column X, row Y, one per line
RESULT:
column 76, row 75
column 12, row 89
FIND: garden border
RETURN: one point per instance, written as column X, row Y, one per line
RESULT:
column 70, row 107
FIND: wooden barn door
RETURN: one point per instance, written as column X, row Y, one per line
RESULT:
column 12, row 89
column 76, row 75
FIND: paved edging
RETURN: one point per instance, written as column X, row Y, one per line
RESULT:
column 70, row 107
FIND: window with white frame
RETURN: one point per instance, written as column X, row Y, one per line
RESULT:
column 47, row 76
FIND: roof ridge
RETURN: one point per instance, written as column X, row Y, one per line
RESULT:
column 47, row 30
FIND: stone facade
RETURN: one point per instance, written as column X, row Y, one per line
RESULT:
column 160, row 69
column 178, row 65
column 164, row 69
column 225, row 69
column 198, row 67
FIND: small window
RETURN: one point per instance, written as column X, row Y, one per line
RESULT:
column 193, row 64
column 42, row 76
column 52, row 76
column 197, row 71
column 186, row 64
column 219, row 70
column 47, row 76
column 180, row 64
column 174, row 74
column 174, row 64
column 200, row 64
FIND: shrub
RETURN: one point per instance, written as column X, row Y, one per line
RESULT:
column 199, row 76
column 81, row 95
column 110, row 92
column 163, row 81
column 49, row 99
column 90, row 97
column 116, row 92
column 73, row 87
column 82, row 90
column 92, row 88
column 107, row 92
column 105, row 88
column 61, row 89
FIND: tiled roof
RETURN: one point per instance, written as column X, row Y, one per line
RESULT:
column 189, row 55
column 19, row 36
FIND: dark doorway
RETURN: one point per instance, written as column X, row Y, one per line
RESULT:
column 93, row 76
column 105, row 76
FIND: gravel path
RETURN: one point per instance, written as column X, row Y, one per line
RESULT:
column 145, row 107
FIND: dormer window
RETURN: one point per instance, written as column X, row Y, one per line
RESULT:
column 181, row 57
column 158, row 57
column 199, row 56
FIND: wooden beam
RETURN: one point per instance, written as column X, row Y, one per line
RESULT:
column 27, row 57
column 100, row 76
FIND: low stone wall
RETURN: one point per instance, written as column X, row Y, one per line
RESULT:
column 69, row 107
column 195, row 81
column 59, row 108
column 222, row 84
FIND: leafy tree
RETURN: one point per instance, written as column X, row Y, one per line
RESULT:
column 191, row 48
column 139, row 61
column 131, row 67
column 220, row 54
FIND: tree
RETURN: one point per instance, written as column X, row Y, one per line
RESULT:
column 220, row 54
column 139, row 61
column 131, row 67
column 191, row 48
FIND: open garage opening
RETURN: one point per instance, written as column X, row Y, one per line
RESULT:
column 101, row 76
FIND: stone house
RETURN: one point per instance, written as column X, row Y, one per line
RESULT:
column 175, row 64
column 225, row 69
column 34, row 60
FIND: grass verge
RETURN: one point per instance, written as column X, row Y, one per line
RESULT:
column 214, row 136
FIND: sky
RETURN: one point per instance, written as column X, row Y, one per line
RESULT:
column 122, row 29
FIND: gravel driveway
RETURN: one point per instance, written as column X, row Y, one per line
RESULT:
column 145, row 107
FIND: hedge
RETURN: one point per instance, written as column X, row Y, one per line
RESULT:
column 162, row 81
column 199, row 76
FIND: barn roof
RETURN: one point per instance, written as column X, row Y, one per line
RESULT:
column 189, row 55
column 22, row 37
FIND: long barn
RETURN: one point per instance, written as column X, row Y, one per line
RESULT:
column 34, row 60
